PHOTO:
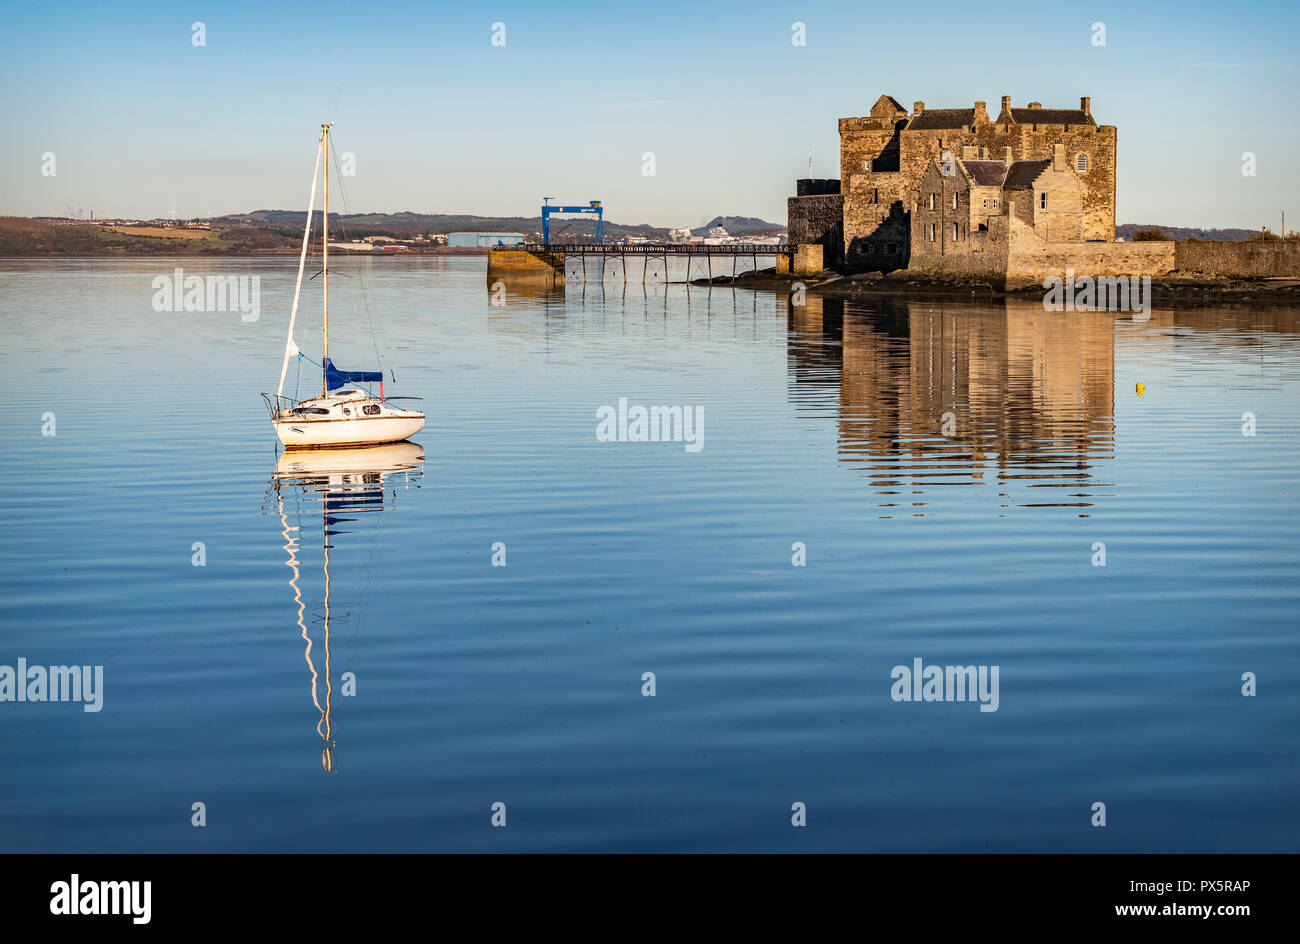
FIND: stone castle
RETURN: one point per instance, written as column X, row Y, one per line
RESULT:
column 953, row 191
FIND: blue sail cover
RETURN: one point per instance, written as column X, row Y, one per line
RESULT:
column 335, row 378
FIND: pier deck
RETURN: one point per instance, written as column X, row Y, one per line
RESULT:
column 556, row 257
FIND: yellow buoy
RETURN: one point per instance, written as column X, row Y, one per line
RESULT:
column 1140, row 388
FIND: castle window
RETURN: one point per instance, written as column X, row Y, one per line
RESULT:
column 954, row 200
column 1081, row 162
column 930, row 234
column 986, row 203
column 1042, row 201
column 956, row 232
column 931, row 201
column 995, row 203
column 866, row 165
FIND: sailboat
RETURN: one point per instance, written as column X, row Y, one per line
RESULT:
column 342, row 415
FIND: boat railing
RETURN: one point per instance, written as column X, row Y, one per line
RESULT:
column 278, row 406
column 407, row 403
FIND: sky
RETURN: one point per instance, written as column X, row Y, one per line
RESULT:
column 143, row 123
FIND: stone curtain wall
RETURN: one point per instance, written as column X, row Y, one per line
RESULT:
column 1240, row 259
column 1031, row 261
column 1013, row 256
column 817, row 219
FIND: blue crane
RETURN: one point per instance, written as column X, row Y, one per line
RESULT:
column 593, row 208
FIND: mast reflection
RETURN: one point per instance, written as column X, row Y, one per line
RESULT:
column 338, row 483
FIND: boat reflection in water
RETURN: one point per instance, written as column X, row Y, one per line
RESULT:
column 337, row 483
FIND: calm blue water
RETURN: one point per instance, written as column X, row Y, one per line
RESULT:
column 522, row 684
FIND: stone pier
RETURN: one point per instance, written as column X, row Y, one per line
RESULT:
column 528, row 263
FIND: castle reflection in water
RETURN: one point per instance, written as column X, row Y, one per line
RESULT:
column 929, row 393
column 998, row 395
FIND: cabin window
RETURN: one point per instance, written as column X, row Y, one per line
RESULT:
column 309, row 410
column 956, row 233
column 954, row 200
column 1042, row 201
column 1081, row 162
column 370, row 409
column 347, row 411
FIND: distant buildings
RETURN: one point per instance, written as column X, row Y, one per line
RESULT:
column 484, row 239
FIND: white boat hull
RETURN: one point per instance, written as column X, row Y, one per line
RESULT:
column 344, row 464
column 357, row 431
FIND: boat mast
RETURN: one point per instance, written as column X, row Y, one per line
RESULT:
column 325, row 264
column 290, row 348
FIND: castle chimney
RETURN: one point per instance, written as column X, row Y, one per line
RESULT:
column 1085, row 104
column 1006, row 102
column 1035, row 105
column 918, row 107
column 1058, row 157
column 981, row 113
column 1006, row 155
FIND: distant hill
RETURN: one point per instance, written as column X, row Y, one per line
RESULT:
column 21, row 236
column 1126, row 231
column 280, row 231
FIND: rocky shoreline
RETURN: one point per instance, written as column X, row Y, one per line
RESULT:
column 1173, row 290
